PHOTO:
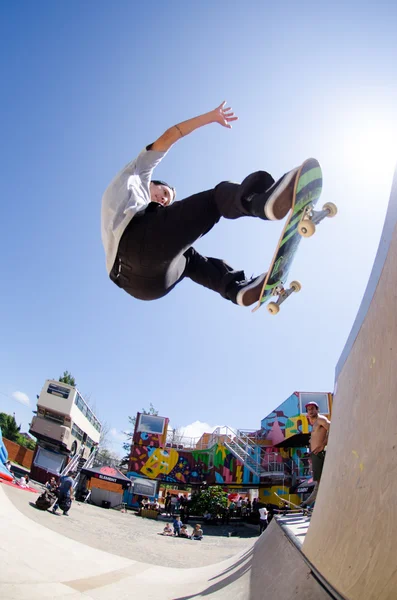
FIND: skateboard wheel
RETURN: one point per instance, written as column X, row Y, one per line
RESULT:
column 331, row 208
column 306, row 228
column 273, row 308
column 296, row 286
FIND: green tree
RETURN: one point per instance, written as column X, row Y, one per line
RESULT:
column 67, row 378
column 106, row 458
column 29, row 444
column 211, row 499
column 132, row 420
column 9, row 427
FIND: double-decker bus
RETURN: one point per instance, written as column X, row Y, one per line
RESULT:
column 64, row 425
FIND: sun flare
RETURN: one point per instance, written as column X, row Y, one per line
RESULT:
column 371, row 144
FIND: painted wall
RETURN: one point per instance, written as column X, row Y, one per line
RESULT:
column 283, row 423
column 267, row 495
column 287, row 420
column 152, row 459
column 216, row 466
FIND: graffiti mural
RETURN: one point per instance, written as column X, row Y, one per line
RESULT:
column 280, row 447
column 216, row 465
column 288, row 425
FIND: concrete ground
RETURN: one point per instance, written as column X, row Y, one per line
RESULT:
column 98, row 554
column 130, row 536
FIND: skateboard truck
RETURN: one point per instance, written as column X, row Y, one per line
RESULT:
column 310, row 218
column 283, row 294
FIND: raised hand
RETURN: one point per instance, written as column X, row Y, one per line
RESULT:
column 223, row 115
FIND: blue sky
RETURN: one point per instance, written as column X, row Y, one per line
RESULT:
column 85, row 87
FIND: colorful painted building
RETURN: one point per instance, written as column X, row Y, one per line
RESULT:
column 274, row 459
column 188, row 462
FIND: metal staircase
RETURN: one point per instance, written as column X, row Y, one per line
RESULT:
column 77, row 463
column 242, row 447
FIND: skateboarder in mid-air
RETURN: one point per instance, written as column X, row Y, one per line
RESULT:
column 148, row 239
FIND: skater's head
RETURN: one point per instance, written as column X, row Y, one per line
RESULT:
column 161, row 192
column 312, row 409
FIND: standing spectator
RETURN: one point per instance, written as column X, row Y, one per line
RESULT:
column 249, row 507
column 182, row 506
column 167, row 505
column 263, row 515
column 318, row 441
column 177, row 526
column 238, row 507
column 65, row 496
column 174, row 500
column 225, row 516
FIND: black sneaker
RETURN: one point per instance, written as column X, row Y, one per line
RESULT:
column 249, row 290
column 274, row 204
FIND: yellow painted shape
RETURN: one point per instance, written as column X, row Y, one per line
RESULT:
column 305, row 426
column 360, row 465
column 221, row 449
column 273, row 499
column 161, row 461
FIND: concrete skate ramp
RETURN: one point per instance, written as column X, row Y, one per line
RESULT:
column 352, row 539
column 38, row 563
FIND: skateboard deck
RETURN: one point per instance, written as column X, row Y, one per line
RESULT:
column 306, row 192
column 305, row 511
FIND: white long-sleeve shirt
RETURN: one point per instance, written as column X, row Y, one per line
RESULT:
column 127, row 194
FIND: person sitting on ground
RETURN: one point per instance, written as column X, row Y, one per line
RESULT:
column 177, row 525
column 66, row 494
column 23, row 481
column 167, row 530
column 51, row 485
column 197, row 533
column 184, row 533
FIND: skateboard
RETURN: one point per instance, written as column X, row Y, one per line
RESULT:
column 301, row 222
column 305, row 511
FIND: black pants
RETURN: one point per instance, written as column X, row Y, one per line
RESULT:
column 262, row 525
column 155, row 251
column 64, row 502
column 317, row 464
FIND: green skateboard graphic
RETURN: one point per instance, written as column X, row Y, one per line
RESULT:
column 301, row 222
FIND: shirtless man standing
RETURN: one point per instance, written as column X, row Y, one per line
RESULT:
column 318, row 441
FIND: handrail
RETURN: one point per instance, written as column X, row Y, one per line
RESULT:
column 242, row 446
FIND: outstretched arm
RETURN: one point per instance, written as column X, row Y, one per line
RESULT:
column 220, row 115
